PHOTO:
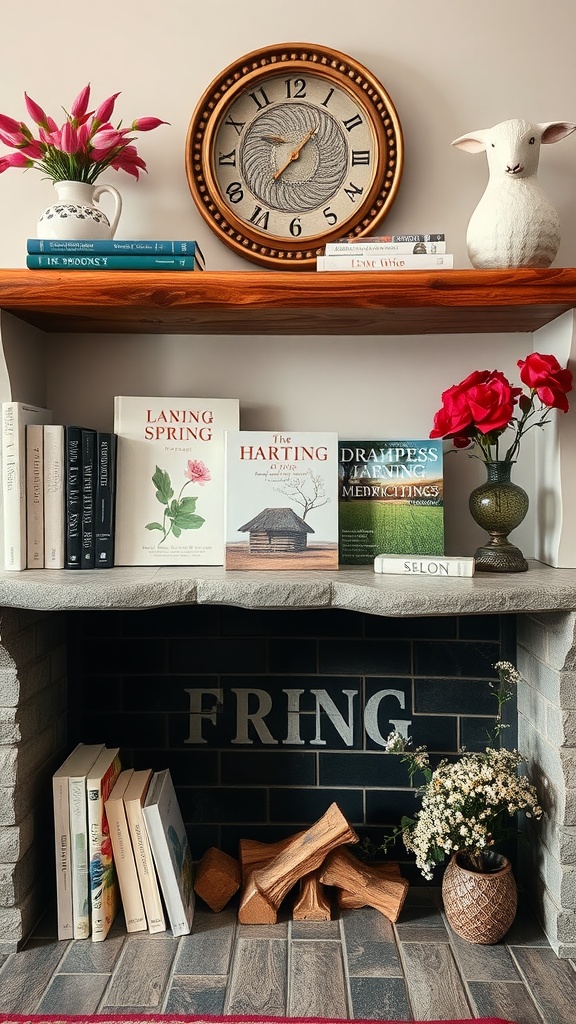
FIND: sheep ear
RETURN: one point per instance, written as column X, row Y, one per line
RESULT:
column 471, row 143
column 553, row 131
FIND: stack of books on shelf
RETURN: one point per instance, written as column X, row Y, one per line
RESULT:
column 120, row 841
column 178, row 482
column 58, row 490
column 387, row 252
column 113, row 254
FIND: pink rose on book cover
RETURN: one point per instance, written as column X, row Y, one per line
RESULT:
column 179, row 513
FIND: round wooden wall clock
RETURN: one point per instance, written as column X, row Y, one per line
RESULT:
column 292, row 146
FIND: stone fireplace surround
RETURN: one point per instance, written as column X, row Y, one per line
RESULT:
column 33, row 699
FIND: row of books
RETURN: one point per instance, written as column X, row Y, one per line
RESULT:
column 387, row 252
column 192, row 488
column 57, row 490
column 113, row 254
column 120, row 840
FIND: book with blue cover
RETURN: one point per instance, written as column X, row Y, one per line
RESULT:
column 103, row 261
column 118, row 246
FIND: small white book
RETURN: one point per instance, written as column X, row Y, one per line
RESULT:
column 15, row 418
column 392, row 261
column 35, row 496
column 171, row 851
column 134, row 797
column 418, row 565
column 79, row 846
column 54, row 507
column 170, row 479
column 77, row 764
column 130, row 893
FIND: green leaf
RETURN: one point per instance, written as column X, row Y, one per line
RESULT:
column 188, row 522
column 163, row 485
column 154, row 526
column 188, row 505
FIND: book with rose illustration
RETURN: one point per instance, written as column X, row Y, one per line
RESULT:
column 170, row 479
column 281, row 500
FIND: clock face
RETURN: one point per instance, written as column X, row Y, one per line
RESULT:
column 286, row 154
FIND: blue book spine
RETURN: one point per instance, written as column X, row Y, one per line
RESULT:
column 118, row 246
column 102, row 262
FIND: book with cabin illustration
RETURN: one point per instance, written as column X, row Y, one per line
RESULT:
column 391, row 499
column 170, row 479
column 281, row 500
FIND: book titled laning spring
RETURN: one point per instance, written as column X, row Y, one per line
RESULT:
column 281, row 500
column 170, row 479
column 391, row 499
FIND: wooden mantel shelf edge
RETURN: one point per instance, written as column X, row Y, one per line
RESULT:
column 301, row 302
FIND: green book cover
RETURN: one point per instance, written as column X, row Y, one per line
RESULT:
column 390, row 499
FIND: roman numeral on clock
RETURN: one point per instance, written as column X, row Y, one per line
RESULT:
column 360, row 156
column 352, row 122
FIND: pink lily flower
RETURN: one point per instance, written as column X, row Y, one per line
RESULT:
column 129, row 161
column 35, row 111
column 33, row 150
column 9, row 125
column 108, row 138
column 69, row 138
column 104, row 112
column 146, row 124
column 14, row 160
column 80, row 105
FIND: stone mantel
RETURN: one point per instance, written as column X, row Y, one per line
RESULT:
column 541, row 589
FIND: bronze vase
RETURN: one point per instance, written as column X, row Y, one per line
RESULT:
column 499, row 506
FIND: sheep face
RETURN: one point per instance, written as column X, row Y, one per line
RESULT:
column 513, row 147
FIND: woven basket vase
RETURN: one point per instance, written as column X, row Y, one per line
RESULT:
column 480, row 907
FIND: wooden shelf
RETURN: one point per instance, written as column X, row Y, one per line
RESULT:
column 270, row 302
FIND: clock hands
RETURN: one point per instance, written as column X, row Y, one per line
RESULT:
column 294, row 154
column 273, row 138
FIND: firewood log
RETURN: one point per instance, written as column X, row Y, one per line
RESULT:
column 217, row 878
column 312, row 903
column 266, row 886
column 353, row 901
column 386, row 894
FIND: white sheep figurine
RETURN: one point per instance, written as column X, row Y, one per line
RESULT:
column 514, row 224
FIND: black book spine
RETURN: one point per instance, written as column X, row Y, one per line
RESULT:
column 105, row 499
column 88, row 497
column 73, row 461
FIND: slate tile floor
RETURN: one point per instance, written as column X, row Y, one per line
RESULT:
column 358, row 965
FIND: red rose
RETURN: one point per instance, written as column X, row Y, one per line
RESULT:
column 484, row 401
column 492, row 403
column 455, row 416
column 544, row 375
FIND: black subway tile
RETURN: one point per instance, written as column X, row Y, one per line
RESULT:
column 294, row 655
column 294, row 806
column 363, row 770
column 278, row 768
column 426, row 627
column 224, row 655
column 457, row 658
column 454, row 697
column 218, row 804
column 364, row 657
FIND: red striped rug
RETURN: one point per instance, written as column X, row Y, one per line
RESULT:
column 154, row 1018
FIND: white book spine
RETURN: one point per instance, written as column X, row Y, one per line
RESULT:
column 54, row 501
column 404, row 565
column 35, row 496
column 361, row 247
column 79, row 843
column 61, row 803
column 15, row 417
column 134, row 915
column 442, row 261
column 145, row 865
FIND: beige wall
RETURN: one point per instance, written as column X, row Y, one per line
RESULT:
column 449, row 67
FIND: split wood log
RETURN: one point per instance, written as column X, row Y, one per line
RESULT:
column 312, row 903
column 217, row 878
column 353, row 901
column 345, row 871
column 300, row 855
column 256, row 855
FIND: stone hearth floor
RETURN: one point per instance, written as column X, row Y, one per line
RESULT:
column 356, row 966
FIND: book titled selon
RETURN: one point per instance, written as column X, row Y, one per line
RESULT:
column 170, row 479
column 281, row 500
